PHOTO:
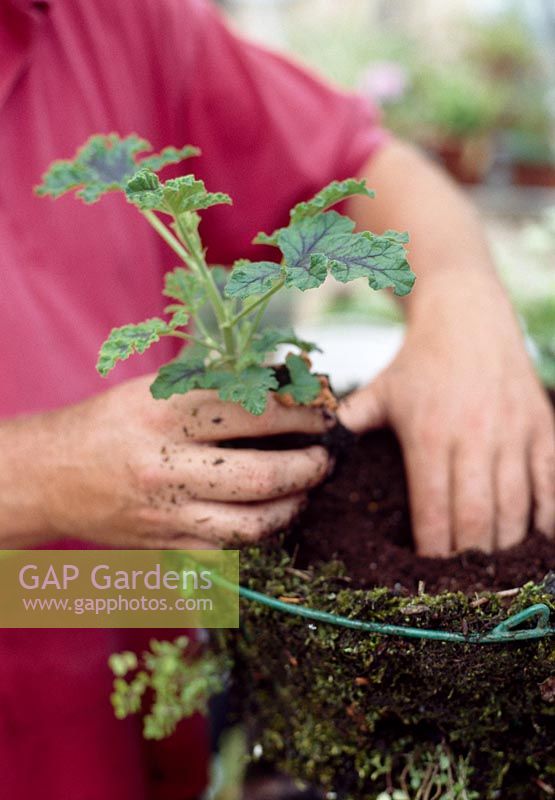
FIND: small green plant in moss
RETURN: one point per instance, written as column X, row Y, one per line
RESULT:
column 180, row 685
column 429, row 775
column 316, row 243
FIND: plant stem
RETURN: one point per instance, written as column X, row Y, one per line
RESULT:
column 207, row 342
column 218, row 304
column 187, row 246
column 193, row 257
column 203, row 329
column 255, row 324
column 261, row 300
column 168, row 237
column 197, row 264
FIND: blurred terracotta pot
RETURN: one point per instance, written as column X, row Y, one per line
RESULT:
column 467, row 160
column 534, row 174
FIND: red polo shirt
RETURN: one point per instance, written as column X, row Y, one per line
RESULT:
column 271, row 135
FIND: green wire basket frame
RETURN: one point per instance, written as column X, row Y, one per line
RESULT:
column 507, row 631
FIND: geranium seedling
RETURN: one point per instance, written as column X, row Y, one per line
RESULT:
column 234, row 358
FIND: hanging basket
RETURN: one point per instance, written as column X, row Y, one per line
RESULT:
column 352, row 689
column 340, row 686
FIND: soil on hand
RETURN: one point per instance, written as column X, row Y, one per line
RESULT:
column 361, row 517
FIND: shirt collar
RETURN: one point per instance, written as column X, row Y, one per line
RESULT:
column 18, row 22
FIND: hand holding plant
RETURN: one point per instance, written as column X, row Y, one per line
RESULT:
column 151, row 474
column 127, row 471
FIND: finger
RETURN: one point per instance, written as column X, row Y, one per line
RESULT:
column 214, row 473
column 181, row 541
column 222, row 523
column 542, row 465
column 427, row 466
column 209, row 419
column 473, row 499
column 365, row 409
column 513, row 495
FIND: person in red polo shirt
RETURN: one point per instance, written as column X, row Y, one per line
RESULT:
column 476, row 427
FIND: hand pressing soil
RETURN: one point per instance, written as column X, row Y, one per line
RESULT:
column 361, row 516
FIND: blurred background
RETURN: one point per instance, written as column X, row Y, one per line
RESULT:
column 473, row 83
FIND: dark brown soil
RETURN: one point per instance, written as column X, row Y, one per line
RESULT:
column 361, row 516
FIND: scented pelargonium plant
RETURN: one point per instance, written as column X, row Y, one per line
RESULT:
column 234, row 358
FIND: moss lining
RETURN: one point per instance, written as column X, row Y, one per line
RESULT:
column 327, row 703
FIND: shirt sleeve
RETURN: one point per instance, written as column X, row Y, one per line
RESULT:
column 271, row 133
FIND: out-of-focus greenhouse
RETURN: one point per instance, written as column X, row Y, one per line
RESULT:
column 473, row 83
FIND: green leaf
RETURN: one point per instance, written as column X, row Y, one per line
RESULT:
column 270, row 338
column 189, row 194
column 122, row 663
column 250, row 388
column 402, row 238
column 105, row 163
column 380, row 259
column 325, row 242
column 180, row 376
column 250, row 278
column 61, row 177
column 326, row 197
column 123, row 342
column 304, row 245
column 329, row 196
column 266, row 342
column 174, row 197
column 304, row 387
column 145, row 191
column 180, row 316
column 169, row 155
column 185, row 287
column 267, row 238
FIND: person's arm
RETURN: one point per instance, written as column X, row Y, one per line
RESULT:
column 124, row 470
column 476, row 427
column 23, row 442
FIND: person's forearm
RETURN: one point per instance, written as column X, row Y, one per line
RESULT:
column 412, row 194
column 23, row 481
